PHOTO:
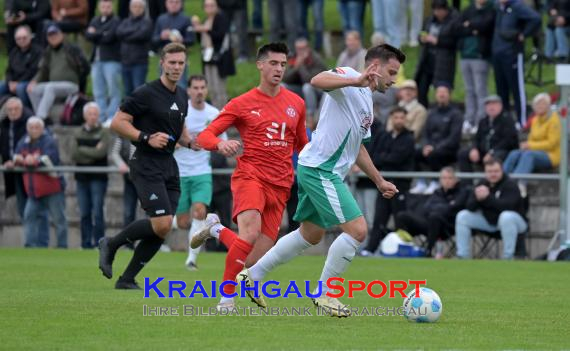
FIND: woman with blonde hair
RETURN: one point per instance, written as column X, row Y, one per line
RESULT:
column 542, row 149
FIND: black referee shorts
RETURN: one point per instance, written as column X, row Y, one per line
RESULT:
column 157, row 182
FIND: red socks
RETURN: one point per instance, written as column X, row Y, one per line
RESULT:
column 227, row 237
column 235, row 260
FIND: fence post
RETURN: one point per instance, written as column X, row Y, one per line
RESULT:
column 563, row 80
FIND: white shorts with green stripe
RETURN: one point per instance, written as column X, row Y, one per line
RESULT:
column 324, row 199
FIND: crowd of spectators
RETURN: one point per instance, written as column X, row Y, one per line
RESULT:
column 486, row 131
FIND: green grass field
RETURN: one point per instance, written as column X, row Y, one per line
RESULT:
column 56, row 299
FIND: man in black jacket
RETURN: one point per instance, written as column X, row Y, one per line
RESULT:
column 494, row 205
column 391, row 151
column 442, row 136
column 436, row 217
column 437, row 58
column 25, row 12
column 106, row 67
column 496, row 136
column 22, row 65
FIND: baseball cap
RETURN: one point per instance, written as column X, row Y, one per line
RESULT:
column 52, row 29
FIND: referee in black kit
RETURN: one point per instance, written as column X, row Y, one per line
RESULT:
column 153, row 119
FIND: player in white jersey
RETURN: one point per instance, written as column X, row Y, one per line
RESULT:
column 194, row 167
column 324, row 199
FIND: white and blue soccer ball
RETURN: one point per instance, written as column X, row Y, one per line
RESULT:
column 427, row 308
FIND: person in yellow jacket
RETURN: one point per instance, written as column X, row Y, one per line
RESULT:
column 542, row 150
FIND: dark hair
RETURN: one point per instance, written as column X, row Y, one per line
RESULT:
column 492, row 161
column 198, row 77
column 440, row 4
column 384, row 52
column 264, row 51
column 398, row 109
column 172, row 48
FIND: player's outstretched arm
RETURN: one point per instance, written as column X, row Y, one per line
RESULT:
column 364, row 162
column 328, row 80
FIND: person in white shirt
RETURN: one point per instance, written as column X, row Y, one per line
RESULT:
column 194, row 167
column 324, row 198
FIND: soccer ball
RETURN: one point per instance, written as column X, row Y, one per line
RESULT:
column 426, row 308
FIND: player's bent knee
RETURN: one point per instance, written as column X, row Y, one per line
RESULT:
column 356, row 228
column 199, row 211
column 161, row 225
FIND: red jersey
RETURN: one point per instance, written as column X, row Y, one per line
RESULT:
column 271, row 128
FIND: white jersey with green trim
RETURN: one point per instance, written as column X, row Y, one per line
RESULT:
column 344, row 123
column 190, row 162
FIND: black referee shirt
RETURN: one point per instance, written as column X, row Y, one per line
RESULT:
column 155, row 108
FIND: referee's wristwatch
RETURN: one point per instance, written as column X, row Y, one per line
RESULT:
column 144, row 137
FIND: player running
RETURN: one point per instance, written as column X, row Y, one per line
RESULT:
column 194, row 167
column 324, row 199
column 271, row 123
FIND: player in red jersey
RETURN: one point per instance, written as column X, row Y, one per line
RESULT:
column 271, row 123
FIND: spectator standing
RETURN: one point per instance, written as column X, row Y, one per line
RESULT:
column 71, row 16
column 437, row 58
column 442, row 136
column 106, row 65
column 90, row 148
column 556, row 32
column 303, row 67
column 353, row 55
column 436, row 218
column 62, row 71
column 514, row 22
column 317, row 8
column 134, row 33
column 542, row 149
column 496, row 136
column 283, row 21
column 413, row 21
column 23, row 63
column 387, row 19
column 217, row 57
column 475, row 28
column 391, row 151
column 236, row 12
column 494, row 205
column 352, row 15
column 174, row 27
column 25, row 12
column 44, row 190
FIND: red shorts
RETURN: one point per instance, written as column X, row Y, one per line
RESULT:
column 270, row 200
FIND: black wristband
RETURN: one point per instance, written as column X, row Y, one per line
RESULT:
column 144, row 137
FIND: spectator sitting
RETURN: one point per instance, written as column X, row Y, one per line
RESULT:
column 217, row 58
column 556, row 32
column 31, row 13
column 353, row 55
column 436, row 219
column 391, row 151
column 442, row 136
column 437, row 58
column 44, row 190
column 71, row 16
column 89, row 148
column 22, row 65
column 494, row 205
column 174, row 27
column 416, row 113
column 106, row 67
column 60, row 73
column 302, row 68
column 496, row 137
column 475, row 28
column 134, row 34
column 542, row 150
